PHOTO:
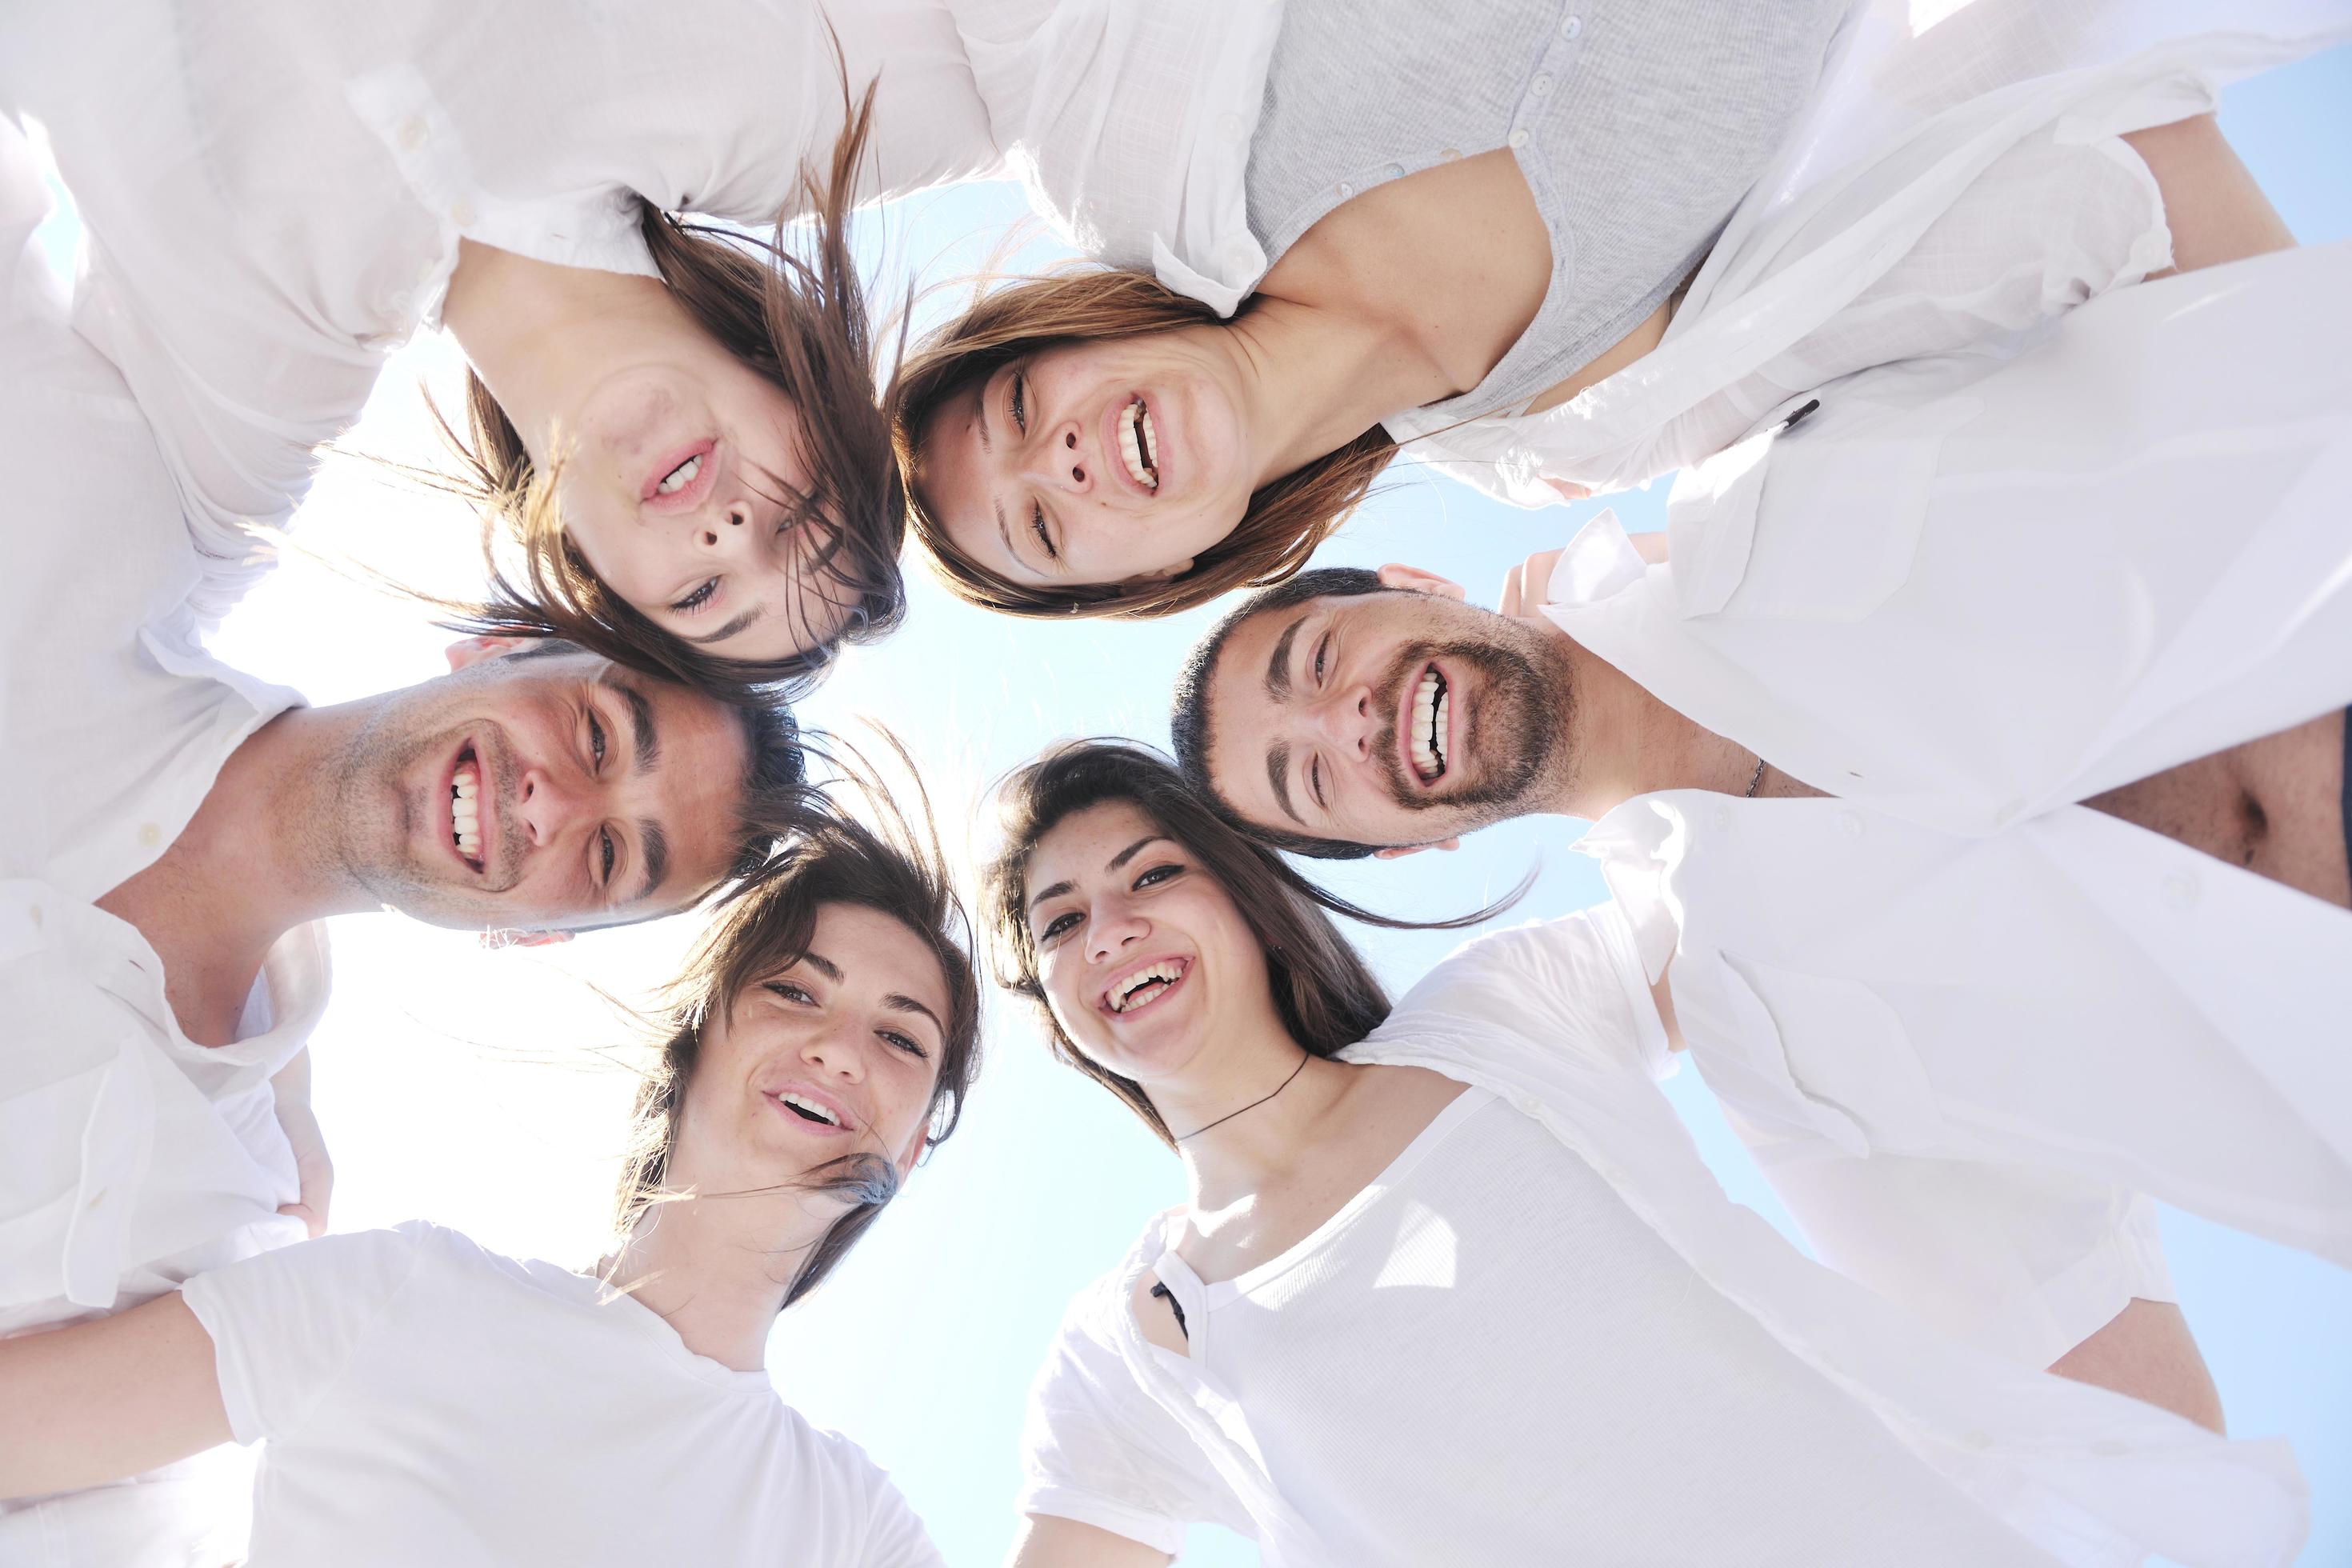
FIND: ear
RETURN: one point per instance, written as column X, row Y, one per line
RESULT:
column 1415, row 580
column 524, row 938
column 913, row 1152
column 1164, row 574
column 473, row 650
column 1400, row 851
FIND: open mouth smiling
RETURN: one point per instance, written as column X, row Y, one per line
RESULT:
column 1427, row 725
column 683, row 479
column 811, row 1109
column 1143, row 986
column 1136, row 439
column 466, row 808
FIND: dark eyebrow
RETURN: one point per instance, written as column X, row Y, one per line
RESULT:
column 655, row 844
column 641, row 726
column 1277, row 666
column 1277, row 773
column 908, row 1005
column 979, row 410
column 822, row 965
column 1113, row 864
column 732, row 627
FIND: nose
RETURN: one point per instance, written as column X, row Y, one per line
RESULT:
column 726, row 532
column 546, row 801
column 1345, row 721
column 837, row 1050
column 1113, row 932
column 1058, row 461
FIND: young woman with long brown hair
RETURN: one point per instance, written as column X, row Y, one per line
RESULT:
column 1450, row 1284
column 426, row 1400
column 1560, row 250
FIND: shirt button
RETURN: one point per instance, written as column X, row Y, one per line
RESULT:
column 1395, row 171
column 95, row 1198
column 1571, row 27
column 1231, row 126
column 1543, row 84
column 1346, row 190
column 412, row 133
column 1450, row 154
column 150, row 834
column 1850, row 823
column 462, row 213
column 1518, row 138
column 2181, row 891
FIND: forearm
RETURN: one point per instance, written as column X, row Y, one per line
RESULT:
column 106, row 1399
column 2215, row 210
column 1047, row 1542
column 2147, row 1353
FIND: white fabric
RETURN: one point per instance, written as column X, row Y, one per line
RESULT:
column 1966, row 592
column 1565, row 1032
column 1499, row 1285
column 1907, row 220
column 274, row 193
column 2119, row 552
column 129, row 1158
column 426, row 1401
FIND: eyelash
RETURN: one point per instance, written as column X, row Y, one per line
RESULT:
column 1037, row 526
column 1019, row 404
column 792, row 993
column 605, row 837
column 696, row 599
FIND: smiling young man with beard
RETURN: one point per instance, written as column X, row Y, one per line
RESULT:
column 176, row 830
column 1988, row 835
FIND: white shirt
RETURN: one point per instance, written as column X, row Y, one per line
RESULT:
column 1553, row 1385
column 1566, row 1035
column 1953, row 191
column 425, row 1401
column 274, row 193
column 129, row 1158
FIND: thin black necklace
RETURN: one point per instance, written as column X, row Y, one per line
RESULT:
column 1253, row 1104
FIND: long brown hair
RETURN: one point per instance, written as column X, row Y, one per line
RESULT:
column 1326, row 997
column 891, row 869
column 1286, row 518
column 792, row 308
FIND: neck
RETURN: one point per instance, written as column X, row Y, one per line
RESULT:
column 536, row 332
column 1317, row 378
column 716, row 1268
column 1236, row 1158
column 1622, row 742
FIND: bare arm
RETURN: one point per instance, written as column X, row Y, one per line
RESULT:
column 2216, row 211
column 2147, row 1353
column 313, row 1168
column 1046, row 1541
column 106, row 1399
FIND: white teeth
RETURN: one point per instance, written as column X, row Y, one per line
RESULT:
column 1430, row 701
column 1167, row 970
column 801, row 1102
column 677, row 479
column 465, row 810
column 1136, row 436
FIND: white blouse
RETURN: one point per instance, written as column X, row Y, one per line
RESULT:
column 1954, row 191
column 273, row 193
column 1128, row 1437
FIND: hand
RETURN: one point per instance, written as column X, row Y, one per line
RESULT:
column 1569, row 490
column 314, row 1171
column 1526, row 586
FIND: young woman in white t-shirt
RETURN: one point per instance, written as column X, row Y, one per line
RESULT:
column 1452, row 1286
column 426, row 1400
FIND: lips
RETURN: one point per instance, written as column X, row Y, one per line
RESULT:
column 1127, row 427
column 700, row 459
column 1144, row 985
column 808, row 1107
column 468, row 809
column 1425, row 726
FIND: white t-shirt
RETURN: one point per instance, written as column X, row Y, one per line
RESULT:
column 426, row 1401
column 1486, row 1357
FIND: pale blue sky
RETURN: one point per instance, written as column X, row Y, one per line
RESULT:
column 442, row 1072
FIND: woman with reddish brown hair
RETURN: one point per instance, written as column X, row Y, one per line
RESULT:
column 1557, row 248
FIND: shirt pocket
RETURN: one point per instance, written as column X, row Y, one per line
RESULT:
column 1846, row 1054
column 1812, row 525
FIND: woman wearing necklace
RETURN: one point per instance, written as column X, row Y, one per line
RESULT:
column 1450, row 1284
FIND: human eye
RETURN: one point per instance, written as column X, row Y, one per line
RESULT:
column 1153, row 876
column 696, row 599
column 595, row 742
column 1060, row 925
column 1020, row 403
column 911, row 1047
column 1322, row 655
column 1037, row 526
column 790, row 991
column 1315, row 781
column 607, row 853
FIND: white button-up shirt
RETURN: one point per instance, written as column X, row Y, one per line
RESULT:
column 1950, row 190
column 131, row 1159
column 274, row 193
column 1960, row 602
column 1558, row 1021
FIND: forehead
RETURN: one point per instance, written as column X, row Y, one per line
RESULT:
column 879, row 952
column 1082, row 843
column 951, row 472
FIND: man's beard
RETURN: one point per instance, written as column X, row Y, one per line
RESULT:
column 1514, row 732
